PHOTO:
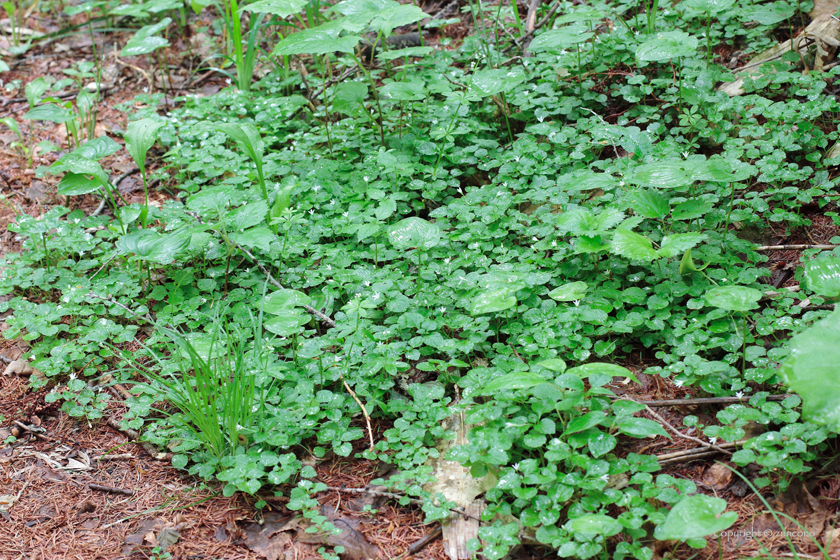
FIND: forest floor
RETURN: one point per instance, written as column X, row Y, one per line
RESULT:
column 74, row 489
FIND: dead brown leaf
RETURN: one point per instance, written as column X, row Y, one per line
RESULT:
column 356, row 546
column 718, row 476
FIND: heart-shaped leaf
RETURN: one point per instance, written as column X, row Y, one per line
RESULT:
column 492, row 300
column 75, row 184
column 390, row 18
column 667, row 46
column 695, row 517
column 97, row 148
column 594, row 524
column 733, row 298
column 414, row 232
column 673, row 245
column 316, row 40
column 633, row 246
column 665, row 174
column 281, row 8
column 651, row 204
column 282, row 300
column 512, row 382
column 569, row 292
column 769, row 14
column 287, row 322
column 493, row 81
column 556, row 40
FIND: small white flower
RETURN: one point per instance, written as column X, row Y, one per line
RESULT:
column 678, row 382
column 605, row 477
column 516, row 467
column 366, row 178
column 376, row 295
column 740, row 394
column 367, row 282
column 311, row 211
column 442, row 309
column 554, row 243
column 576, row 302
column 685, row 155
column 332, row 201
column 329, row 267
column 345, row 214
column 73, row 376
column 447, row 259
column 145, row 90
column 712, row 440
column 227, row 81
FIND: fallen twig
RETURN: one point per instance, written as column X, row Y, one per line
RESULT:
column 362, row 406
column 418, row 545
column 695, row 451
column 135, row 437
column 794, row 247
column 679, row 433
column 111, row 489
column 116, row 456
column 707, row 400
column 528, row 34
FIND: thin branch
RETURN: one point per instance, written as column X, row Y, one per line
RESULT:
column 527, row 36
column 794, row 247
column 695, row 451
column 362, row 406
column 708, row 400
column 111, row 489
column 679, row 433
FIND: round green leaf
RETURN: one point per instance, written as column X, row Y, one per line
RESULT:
column 492, row 300
column 558, row 39
column 651, row 204
column 590, row 181
column 413, row 232
column 286, row 322
column 633, row 246
column 281, row 8
column 594, row 524
column 282, row 300
column 733, row 298
column 569, row 292
column 823, row 276
column 665, row 174
column 708, row 6
column 694, row 517
column 513, row 381
column 667, row 46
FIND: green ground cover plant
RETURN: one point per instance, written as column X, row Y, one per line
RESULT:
column 457, row 231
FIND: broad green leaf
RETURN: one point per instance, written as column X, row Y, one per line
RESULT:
column 414, row 232
column 139, row 136
column 556, row 365
column 694, row 517
column 281, row 300
column 390, row 18
column 489, row 82
column 35, row 90
column 708, row 6
column 733, row 298
column 246, row 136
column 665, row 174
column 673, row 245
column 12, row 124
column 247, row 216
column 586, row 370
column 287, row 322
column 691, row 209
column 492, row 300
column 75, row 184
column 667, row 46
column 257, row 237
column 594, row 524
column 823, row 276
column 143, row 45
column 152, row 246
column 366, row 230
column 414, row 52
column 403, row 91
column 687, row 265
column 75, row 163
column 97, row 148
column 768, row 14
column 633, row 246
column 641, row 427
column 813, row 371
column 590, row 181
column 203, row 344
column 651, row 204
column 512, row 382
column 569, row 292
column 316, row 41
column 349, row 97
column 359, row 7
column 585, row 422
column 281, row 8
column 556, row 40
column 721, row 171
column 49, row 112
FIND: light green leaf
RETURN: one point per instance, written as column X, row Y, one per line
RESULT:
column 641, row 427
column 585, row 422
column 651, row 204
column 246, row 216
column 633, row 246
column 75, row 184
column 150, row 245
column 35, row 90
column 694, row 517
column 415, row 52
column 667, row 46
column 12, row 124
column 594, row 524
column 691, row 209
column 708, row 6
column 490, row 82
column 258, row 237
column 97, row 148
column 281, row 300
column 287, row 322
column 556, row 40
column 390, row 18
column 569, row 292
column 492, row 300
column 590, row 181
column 823, row 276
column 144, row 45
column 733, row 298
column 512, row 382
column 769, row 14
column 281, row 8
column 556, row 365
column 665, row 174
column 673, row 245
column 414, row 232
column 586, row 370
column 316, row 40
column 813, row 371
column 403, row 91
column 139, row 136
column 49, row 112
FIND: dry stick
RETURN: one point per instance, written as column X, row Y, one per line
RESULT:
column 271, row 279
column 530, row 24
column 679, row 433
column 794, row 247
column 5, row 359
column 396, row 496
column 695, row 451
column 708, row 400
column 116, row 456
column 527, row 36
column 116, row 183
column 364, row 410
column 135, row 437
column 111, row 489
column 418, row 545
